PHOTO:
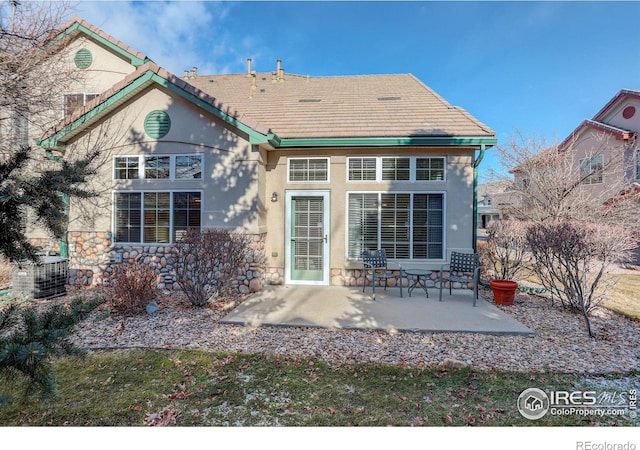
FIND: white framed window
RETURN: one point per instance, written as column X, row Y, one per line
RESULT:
column 126, row 167
column 307, row 170
column 362, row 169
column 158, row 167
column 396, row 168
column 591, row 170
column 73, row 102
column 188, row 167
column 155, row 217
column 408, row 225
column 429, row 169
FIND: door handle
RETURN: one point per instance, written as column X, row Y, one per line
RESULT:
column 325, row 239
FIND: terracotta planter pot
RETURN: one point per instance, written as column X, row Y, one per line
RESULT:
column 504, row 291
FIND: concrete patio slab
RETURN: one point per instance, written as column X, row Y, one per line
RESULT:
column 346, row 307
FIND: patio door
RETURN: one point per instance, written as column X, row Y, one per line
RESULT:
column 307, row 237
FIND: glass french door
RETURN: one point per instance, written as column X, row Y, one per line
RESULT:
column 307, row 237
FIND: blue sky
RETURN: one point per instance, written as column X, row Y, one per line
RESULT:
column 537, row 67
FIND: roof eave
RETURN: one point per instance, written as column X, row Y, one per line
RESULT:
column 408, row 141
column 619, row 134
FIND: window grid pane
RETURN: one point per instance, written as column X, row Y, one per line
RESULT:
column 396, row 169
column 72, row 102
column 395, row 225
column 406, row 225
column 156, row 217
column 363, row 223
column 362, row 169
column 189, row 167
column 127, row 217
column 186, row 213
column 147, row 216
column 428, row 215
column 126, row 168
column 304, row 170
column 429, row 169
column 157, row 167
column 591, row 170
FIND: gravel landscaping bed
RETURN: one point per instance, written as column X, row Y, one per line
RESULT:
column 561, row 342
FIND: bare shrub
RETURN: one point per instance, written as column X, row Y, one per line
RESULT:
column 5, row 273
column 133, row 287
column 570, row 258
column 209, row 262
column 505, row 252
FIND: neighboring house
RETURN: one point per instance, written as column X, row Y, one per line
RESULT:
column 317, row 169
column 604, row 152
column 490, row 202
column 604, row 149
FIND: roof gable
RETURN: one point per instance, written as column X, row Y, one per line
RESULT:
column 144, row 77
column 624, row 94
column 77, row 26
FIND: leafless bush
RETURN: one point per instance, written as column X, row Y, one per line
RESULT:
column 570, row 258
column 209, row 262
column 133, row 287
column 505, row 251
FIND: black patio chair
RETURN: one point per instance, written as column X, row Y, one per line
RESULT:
column 459, row 268
column 376, row 267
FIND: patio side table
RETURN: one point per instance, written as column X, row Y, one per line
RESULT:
column 420, row 279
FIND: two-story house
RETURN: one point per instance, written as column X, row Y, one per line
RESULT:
column 316, row 169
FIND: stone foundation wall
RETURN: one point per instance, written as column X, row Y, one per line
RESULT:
column 93, row 257
column 355, row 277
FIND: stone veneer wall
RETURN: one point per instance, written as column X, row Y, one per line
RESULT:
column 93, row 256
column 355, row 277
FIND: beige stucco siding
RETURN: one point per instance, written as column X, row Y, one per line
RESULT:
column 457, row 189
column 106, row 69
column 230, row 180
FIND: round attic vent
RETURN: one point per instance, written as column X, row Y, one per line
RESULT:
column 157, row 124
column 83, row 58
column 629, row 112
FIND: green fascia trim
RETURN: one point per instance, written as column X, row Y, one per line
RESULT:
column 134, row 60
column 53, row 141
column 389, row 142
